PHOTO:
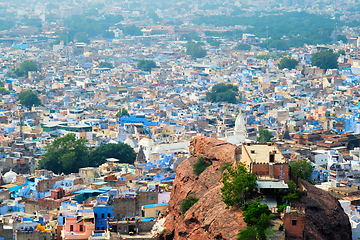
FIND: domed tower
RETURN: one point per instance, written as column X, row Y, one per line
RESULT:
column 240, row 129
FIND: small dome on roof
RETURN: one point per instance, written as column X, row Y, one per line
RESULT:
column 146, row 142
column 10, row 176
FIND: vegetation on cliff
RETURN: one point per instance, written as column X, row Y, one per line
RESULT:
column 200, row 165
column 302, row 169
column 239, row 185
column 188, row 203
column 258, row 218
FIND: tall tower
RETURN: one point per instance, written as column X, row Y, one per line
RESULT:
column 240, row 129
column 66, row 101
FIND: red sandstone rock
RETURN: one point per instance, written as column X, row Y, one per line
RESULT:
column 208, row 218
column 325, row 218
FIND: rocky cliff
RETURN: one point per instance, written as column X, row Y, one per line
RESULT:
column 208, row 218
column 325, row 218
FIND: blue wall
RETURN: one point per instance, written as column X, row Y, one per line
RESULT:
column 101, row 214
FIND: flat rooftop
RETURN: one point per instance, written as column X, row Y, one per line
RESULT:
column 259, row 153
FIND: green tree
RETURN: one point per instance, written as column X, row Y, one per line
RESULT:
column 325, row 60
column 253, row 211
column 279, row 45
column 263, row 57
column 239, row 185
column 302, row 169
column 105, row 65
column 341, row 38
column 264, row 136
column 146, row 65
column 108, row 34
column 213, row 42
column 65, row 155
column 120, row 151
column 3, row 91
column 28, row 99
column 82, row 37
column 132, row 30
column 258, row 218
column 200, row 165
column 288, row 63
column 19, row 73
column 25, row 68
column 195, row 50
column 122, row 112
column 154, row 17
column 222, row 93
column 187, row 203
column 248, row 233
column 189, row 37
column 341, row 52
column 243, row 46
column 64, row 37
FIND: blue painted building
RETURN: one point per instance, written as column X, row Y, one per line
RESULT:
column 136, row 119
column 102, row 213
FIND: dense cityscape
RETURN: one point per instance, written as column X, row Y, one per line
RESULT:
column 179, row 120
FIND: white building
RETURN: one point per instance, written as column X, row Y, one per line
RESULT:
column 354, row 218
column 239, row 134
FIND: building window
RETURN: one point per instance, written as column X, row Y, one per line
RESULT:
column 95, row 215
column 272, row 158
column 71, row 228
column 102, row 215
column 81, row 228
column 293, row 222
column 108, row 215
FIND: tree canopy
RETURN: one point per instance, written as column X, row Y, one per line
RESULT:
column 302, row 169
column 222, row 93
column 213, row 42
column 28, row 99
column 195, row 50
column 299, row 27
column 200, row 165
column 239, row 185
column 288, row 63
column 146, row 65
column 243, row 46
column 264, row 136
column 105, row 65
column 258, row 218
column 65, row 155
column 108, row 34
column 120, row 151
column 122, row 112
column 325, row 60
column 132, row 30
column 85, row 26
column 25, row 68
column 68, row 154
column 189, row 37
column 82, row 37
column 187, row 203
